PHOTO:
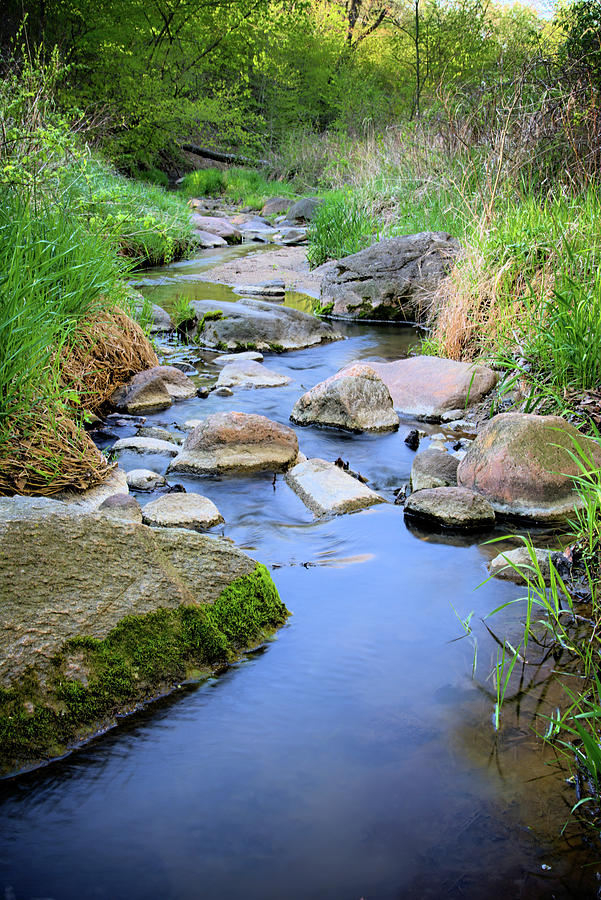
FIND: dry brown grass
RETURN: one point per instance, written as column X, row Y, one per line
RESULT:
column 105, row 354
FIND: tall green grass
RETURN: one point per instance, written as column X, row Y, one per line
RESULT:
column 249, row 187
column 54, row 273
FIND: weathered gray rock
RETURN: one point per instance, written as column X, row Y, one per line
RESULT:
column 217, row 226
column 182, row 511
column 293, row 236
column 303, row 210
column 259, row 325
column 155, row 431
column 327, row 489
column 354, row 398
column 451, row 507
column 425, row 386
column 393, row 279
column 248, row 373
column 144, row 480
column 433, row 468
column 502, row 566
column 276, row 205
column 208, row 241
column 146, row 445
column 160, row 320
column 522, row 464
column 227, row 358
column 153, row 389
column 123, row 507
column 87, row 501
column 274, row 288
column 237, row 443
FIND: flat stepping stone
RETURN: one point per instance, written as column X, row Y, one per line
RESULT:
column 248, row 373
column 326, row 489
column 451, row 507
column 155, row 431
column 144, row 480
column 180, row 510
column 425, row 387
column 237, row 443
column 275, row 288
column 227, row 358
column 523, row 464
column 355, row 399
column 146, row 445
column 433, row 468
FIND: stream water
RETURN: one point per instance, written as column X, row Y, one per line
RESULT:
column 351, row 757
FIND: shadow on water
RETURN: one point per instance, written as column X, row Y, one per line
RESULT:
column 353, row 756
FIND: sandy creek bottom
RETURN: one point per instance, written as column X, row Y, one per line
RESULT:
column 351, row 757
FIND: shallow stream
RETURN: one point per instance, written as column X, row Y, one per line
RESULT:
column 351, row 757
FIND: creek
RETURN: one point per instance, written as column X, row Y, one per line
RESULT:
column 353, row 756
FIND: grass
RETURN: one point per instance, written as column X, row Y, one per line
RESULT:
column 248, row 187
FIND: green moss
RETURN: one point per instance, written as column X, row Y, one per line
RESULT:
column 91, row 681
column 213, row 315
column 323, row 310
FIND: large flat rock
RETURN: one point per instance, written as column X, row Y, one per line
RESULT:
column 258, row 325
column 393, row 279
column 182, row 511
column 237, row 443
column 327, row 489
column 355, row 399
column 523, row 465
column 249, row 373
column 426, row 387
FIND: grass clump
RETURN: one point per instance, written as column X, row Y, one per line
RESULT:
column 248, row 187
column 342, row 225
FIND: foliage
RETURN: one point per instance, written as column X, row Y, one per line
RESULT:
column 342, row 225
column 238, row 185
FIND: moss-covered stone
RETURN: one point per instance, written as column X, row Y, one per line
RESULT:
column 91, row 681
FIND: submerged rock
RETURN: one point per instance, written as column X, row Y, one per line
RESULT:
column 100, row 615
column 522, row 464
column 326, row 489
column 180, row 510
column 451, row 507
column 433, row 468
column 258, row 325
column 393, row 279
column 248, row 373
column 425, row 387
column 274, row 288
column 354, row 398
column 237, row 443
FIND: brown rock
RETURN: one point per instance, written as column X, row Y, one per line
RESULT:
column 355, row 398
column 433, row 468
column 237, row 443
column 216, row 225
column 153, row 389
column 426, row 387
column 276, row 205
column 521, row 463
column 182, row 511
column 451, row 507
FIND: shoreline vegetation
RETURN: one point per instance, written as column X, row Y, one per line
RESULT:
column 498, row 147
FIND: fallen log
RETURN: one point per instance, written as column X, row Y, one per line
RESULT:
column 223, row 157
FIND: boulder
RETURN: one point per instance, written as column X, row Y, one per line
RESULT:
column 146, row 445
column 122, row 506
column 86, row 501
column 393, row 279
column 208, row 241
column 502, row 566
column 425, row 387
column 302, row 211
column 100, row 615
column 237, row 443
column 276, row 205
column 227, row 358
column 433, row 468
column 153, row 389
column 216, row 225
column 451, row 507
column 180, row 510
column 522, row 464
column 144, row 480
column 248, row 373
column 258, row 325
column 327, row 489
column 354, row 398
